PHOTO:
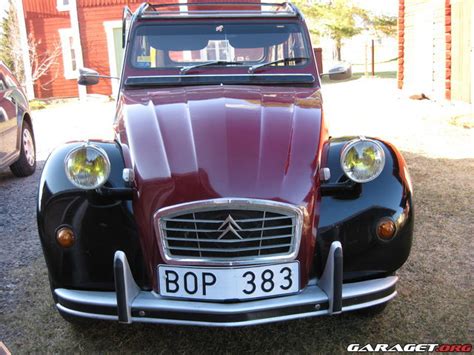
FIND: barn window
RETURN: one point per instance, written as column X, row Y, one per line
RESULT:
column 69, row 53
column 62, row 5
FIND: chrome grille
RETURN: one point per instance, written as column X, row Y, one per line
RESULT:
column 229, row 231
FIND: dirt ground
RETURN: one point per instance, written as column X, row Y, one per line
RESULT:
column 435, row 293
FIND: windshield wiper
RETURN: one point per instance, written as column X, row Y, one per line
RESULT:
column 284, row 60
column 185, row 69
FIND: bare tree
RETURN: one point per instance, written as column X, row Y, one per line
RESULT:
column 43, row 61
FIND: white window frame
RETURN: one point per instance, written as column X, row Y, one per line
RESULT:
column 61, row 6
column 65, row 35
column 207, row 50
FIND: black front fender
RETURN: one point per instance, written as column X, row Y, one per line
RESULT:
column 351, row 216
column 101, row 225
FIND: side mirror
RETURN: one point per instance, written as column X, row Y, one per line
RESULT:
column 342, row 71
column 87, row 77
column 91, row 77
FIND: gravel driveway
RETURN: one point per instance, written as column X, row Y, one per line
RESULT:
column 435, row 293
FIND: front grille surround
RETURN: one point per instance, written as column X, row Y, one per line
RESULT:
column 280, row 242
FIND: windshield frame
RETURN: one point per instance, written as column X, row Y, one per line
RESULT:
column 173, row 70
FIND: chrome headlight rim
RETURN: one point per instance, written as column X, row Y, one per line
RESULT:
column 351, row 144
column 101, row 151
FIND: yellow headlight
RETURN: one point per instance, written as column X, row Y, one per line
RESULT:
column 362, row 160
column 87, row 166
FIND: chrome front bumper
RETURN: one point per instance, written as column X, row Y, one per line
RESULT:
column 129, row 304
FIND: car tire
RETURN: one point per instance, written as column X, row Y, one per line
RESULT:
column 371, row 311
column 26, row 163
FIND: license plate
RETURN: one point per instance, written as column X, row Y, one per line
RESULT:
column 228, row 283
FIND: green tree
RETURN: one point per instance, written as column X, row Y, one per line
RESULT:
column 384, row 25
column 341, row 19
column 338, row 19
column 10, row 50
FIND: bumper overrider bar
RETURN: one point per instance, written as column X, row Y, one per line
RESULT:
column 129, row 303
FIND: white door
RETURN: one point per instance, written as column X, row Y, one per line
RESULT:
column 418, row 74
column 472, row 55
column 113, row 30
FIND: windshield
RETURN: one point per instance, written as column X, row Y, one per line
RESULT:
column 228, row 44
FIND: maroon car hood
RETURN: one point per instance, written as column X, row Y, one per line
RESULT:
column 196, row 143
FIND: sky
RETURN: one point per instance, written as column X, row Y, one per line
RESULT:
column 380, row 7
column 3, row 7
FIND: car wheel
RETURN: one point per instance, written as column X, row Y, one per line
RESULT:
column 371, row 311
column 26, row 164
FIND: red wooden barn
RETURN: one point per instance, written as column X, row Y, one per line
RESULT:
column 89, row 35
column 53, row 23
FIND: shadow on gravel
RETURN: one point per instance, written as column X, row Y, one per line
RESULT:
column 433, row 304
column 19, row 243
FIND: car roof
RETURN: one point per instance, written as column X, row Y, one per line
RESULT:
column 184, row 10
column 5, row 69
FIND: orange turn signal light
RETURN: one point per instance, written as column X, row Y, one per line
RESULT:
column 386, row 229
column 65, row 237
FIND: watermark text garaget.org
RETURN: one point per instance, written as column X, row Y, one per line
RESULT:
column 410, row 348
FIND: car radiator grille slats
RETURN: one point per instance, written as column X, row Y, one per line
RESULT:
column 227, row 234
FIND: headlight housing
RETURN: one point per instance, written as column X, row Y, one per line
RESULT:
column 362, row 160
column 87, row 166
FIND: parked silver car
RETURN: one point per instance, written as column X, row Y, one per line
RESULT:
column 17, row 142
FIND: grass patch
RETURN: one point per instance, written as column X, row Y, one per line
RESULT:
column 464, row 121
column 38, row 105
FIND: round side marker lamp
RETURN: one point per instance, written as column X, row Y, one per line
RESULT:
column 65, row 237
column 362, row 159
column 386, row 229
column 87, row 166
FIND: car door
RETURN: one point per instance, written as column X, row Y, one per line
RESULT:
column 8, row 122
